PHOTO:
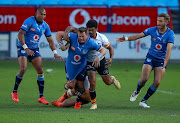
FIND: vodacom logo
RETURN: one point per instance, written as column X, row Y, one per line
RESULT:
column 83, row 13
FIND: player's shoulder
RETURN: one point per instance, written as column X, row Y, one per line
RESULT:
column 101, row 36
column 30, row 19
column 170, row 31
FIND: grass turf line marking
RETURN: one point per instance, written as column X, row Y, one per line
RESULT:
column 167, row 92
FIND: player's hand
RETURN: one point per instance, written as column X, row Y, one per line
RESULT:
column 57, row 56
column 120, row 39
column 63, row 48
column 29, row 52
column 165, row 63
column 109, row 62
column 96, row 62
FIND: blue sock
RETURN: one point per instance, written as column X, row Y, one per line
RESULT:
column 17, row 82
column 149, row 93
column 139, row 86
column 40, row 82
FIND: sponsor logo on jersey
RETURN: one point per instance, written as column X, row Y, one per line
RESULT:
column 154, row 39
column 148, row 60
column 73, row 48
column 158, row 46
column 85, row 51
column 32, row 29
column 77, row 58
column 164, row 41
column 36, row 37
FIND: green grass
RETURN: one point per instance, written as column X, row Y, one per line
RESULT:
column 113, row 105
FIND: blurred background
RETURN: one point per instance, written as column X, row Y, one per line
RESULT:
column 115, row 17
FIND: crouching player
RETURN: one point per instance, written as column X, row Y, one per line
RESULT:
column 83, row 97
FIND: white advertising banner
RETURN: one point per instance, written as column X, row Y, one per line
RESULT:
column 124, row 50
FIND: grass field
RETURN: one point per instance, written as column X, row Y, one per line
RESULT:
column 113, row 105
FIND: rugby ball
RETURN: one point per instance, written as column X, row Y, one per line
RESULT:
column 65, row 43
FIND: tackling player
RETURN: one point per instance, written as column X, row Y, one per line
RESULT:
column 83, row 97
column 103, row 71
column 162, row 41
column 28, row 49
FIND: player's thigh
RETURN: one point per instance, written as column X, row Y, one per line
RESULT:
column 37, row 63
column 158, row 74
column 22, row 60
column 146, row 70
column 107, row 79
column 80, row 85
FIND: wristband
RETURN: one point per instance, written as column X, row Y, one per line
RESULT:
column 55, row 51
column 126, row 38
column 24, row 46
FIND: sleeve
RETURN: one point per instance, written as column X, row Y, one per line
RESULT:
column 72, row 36
column 95, row 46
column 147, row 31
column 105, row 42
column 171, row 37
column 47, row 31
column 27, row 24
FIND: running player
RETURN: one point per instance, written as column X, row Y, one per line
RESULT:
column 162, row 41
column 28, row 49
column 103, row 71
column 76, row 61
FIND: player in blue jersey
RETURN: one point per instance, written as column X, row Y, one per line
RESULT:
column 28, row 49
column 162, row 41
column 80, row 44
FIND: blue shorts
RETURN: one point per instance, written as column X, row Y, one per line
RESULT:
column 154, row 62
column 21, row 52
column 81, row 76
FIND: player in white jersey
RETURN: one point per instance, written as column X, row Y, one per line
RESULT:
column 103, row 71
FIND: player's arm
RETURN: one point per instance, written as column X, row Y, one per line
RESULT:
column 59, row 37
column 111, row 53
column 22, row 41
column 85, row 95
column 130, row 38
column 53, row 47
column 71, row 29
column 168, row 53
column 96, row 61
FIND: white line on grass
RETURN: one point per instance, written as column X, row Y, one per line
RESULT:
column 167, row 92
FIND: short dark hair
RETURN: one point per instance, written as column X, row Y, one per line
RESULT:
column 92, row 23
column 82, row 29
column 166, row 16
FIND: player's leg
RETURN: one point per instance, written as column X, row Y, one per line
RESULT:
column 158, row 75
column 104, row 73
column 37, row 63
column 22, row 60
column 92, row 89
column 66, row 103
column 66, row 95
column 146, row 70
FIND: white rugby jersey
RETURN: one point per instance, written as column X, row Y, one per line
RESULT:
column 103, row 41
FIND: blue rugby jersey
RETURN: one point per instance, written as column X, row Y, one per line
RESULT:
column 159, row 41
column 34, row 32
column 77, row 55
